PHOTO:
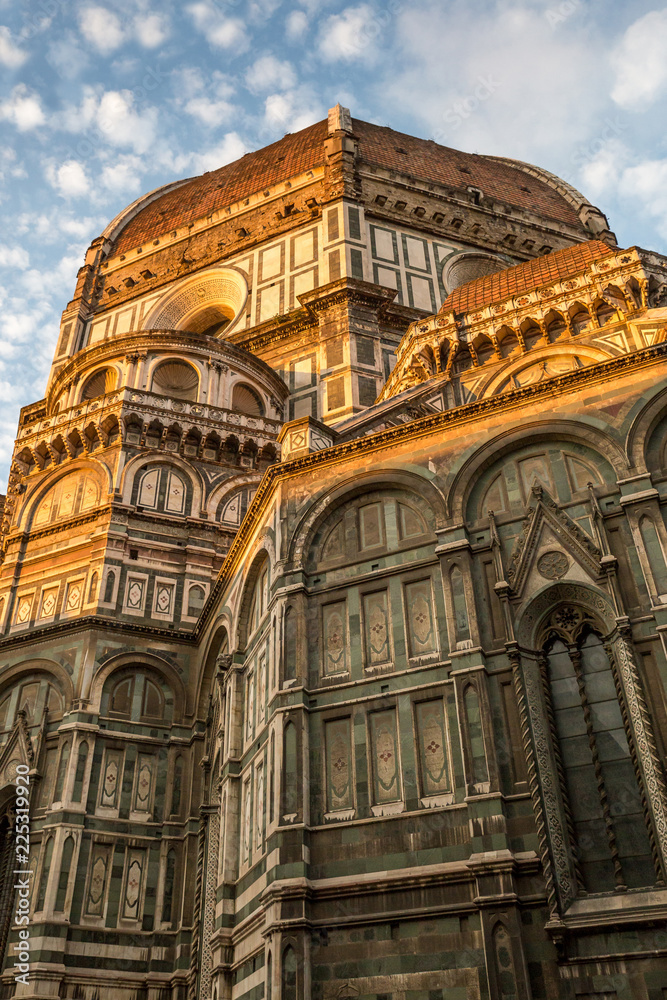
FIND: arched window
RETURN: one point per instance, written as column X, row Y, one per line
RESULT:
column 176, row 379
column 196, row 599
column 74, row 494
column 92, row 589
column 177, row 787
column 654, row 554
column 289, row 974
column 63, row 877
column 461, row 623
column 232, row 508
column 40, row 896
column 62, row 773
column 611, row 843
column 289, row 770
column 32, row 698
column 109, row 587
column 247, row 400
column 169, row 881
column 162, row 488
column 290, row 643
column 103, row 380
column 504, row 962
column 479, row 770
column 259, row 598
column 269, row 977
column 81, row 760
column 137, row 696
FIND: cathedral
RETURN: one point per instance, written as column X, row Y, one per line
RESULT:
column 333, row 594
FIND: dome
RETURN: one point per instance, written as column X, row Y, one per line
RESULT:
column 378, row 147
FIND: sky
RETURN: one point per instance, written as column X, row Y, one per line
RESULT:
column 102, row 103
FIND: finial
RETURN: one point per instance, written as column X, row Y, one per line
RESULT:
column 340, row 119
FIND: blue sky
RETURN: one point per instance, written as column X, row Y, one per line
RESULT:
column 102, row 103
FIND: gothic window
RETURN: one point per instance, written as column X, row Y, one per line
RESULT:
column 290, row 770
column 654, row 554
column 196, row 599
column 370, row 525
column 33, row 698
column 135, row 695
column 92, row 590
column 460, row 605
column 232, row 508
column 289, row 974
column 74, row 494
column 176, row 787
column 109, row 587
column 63, row 877
column 608, row 827
column 62, row 773
column 44, row 875
column 564, row 472
column 81, row 760
column 169, row 880
column 259, row 598
column 473, row 717
column 161, row 488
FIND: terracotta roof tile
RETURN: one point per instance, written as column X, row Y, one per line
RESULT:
column 424, row 158
column 524, row 277
column 290, row 156
column 304, row 150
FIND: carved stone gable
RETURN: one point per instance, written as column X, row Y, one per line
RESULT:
column 17, row 750
column 550, row 547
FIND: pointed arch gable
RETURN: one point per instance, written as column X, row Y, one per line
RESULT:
column 167, row 459
column 587, row 431
column 140, row 658
column 218, row 635
column 647, row 413
column 343, row 490
column 90, row 465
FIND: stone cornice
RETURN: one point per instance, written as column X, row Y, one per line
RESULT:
column 48, row 633
column 372, row 443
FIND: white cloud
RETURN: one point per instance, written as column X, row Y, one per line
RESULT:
column 23, row 109
column 296, row 24
column 639, row 62
column 269, row 73
column 290, row 112
column 111, row 118
column 14, row 257
column 350, row 34
column 122, row 125
column 11, row 55
column 211, row 113
column 123, row 175
column 151, row 30
column 69, row 179
column 231, row 148
column 221, row 32
column 67, row 56
column 101, row 28
column 526, row 107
